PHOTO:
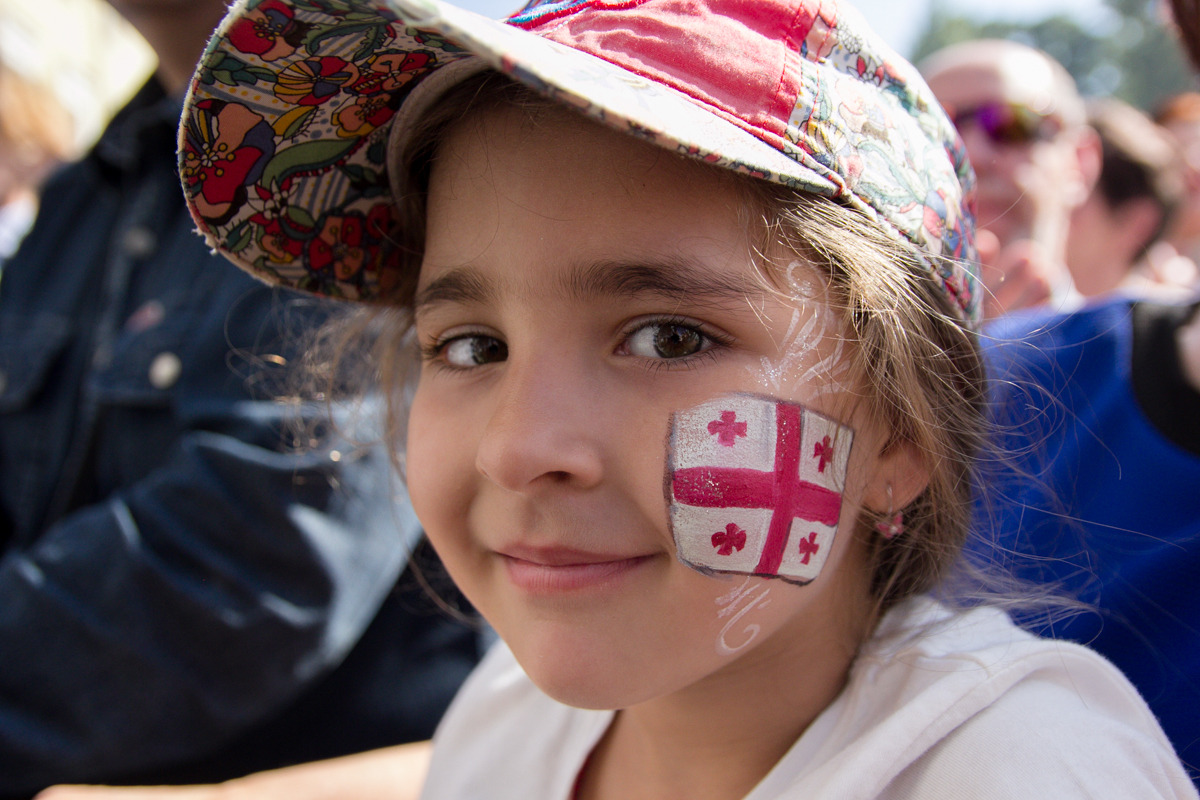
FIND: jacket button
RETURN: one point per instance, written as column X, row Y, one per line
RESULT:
column 165, row 370
column 139, row 242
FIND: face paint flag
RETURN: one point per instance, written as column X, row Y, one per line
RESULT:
column 755, row 486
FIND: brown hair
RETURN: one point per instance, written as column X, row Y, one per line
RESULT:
column 1187, row 21
column 1140, row 160
column 921, row 369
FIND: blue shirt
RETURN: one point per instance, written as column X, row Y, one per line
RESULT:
column 1104, row 499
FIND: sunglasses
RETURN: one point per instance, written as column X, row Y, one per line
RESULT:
column 1008, row 123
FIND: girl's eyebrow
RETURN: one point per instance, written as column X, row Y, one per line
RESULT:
column 462, row 285
column 676, row 280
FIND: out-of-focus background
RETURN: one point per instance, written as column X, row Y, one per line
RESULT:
column 79, row 49
column 1118, row 48
column 93, row 61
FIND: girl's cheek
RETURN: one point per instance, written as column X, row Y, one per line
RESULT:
column 424, row 472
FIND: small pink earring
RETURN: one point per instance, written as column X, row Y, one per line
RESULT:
column 891, row 525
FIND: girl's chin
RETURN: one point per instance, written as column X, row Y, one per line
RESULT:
column 588, row 689
column 609, row 667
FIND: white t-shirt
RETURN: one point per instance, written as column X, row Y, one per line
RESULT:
column 938, row 705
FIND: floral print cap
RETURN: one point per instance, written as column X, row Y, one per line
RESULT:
column 286, row 129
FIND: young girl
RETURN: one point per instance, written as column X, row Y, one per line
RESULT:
column 698, row 391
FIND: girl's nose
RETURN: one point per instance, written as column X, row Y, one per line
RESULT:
column 544, row 431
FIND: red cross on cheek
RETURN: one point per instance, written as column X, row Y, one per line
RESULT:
column 781, row 490
column 727, row 428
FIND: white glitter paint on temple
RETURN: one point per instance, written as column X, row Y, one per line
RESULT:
column 809, row 328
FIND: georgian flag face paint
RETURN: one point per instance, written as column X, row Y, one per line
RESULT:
column 754, row 486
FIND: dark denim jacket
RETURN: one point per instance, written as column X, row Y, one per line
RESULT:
column 177, row 588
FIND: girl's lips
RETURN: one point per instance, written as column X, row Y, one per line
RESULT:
column 560, row 571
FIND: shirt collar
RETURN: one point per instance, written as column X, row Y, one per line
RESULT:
column 146, row 123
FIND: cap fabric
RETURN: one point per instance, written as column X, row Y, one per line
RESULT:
column 285, row 134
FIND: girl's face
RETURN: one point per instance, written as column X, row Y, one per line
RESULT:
column 578, row 287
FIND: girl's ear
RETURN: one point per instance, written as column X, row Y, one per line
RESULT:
column 901, row 473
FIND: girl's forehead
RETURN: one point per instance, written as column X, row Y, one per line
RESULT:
column 508, row 190
column 505, row 143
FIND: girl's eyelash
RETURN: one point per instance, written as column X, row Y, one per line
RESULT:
column 432, row 351
column 683, row 322
column 688, row 362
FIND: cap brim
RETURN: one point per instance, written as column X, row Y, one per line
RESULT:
column 303, row 195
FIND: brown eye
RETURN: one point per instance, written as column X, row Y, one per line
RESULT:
column 474, row 351
column 667, row 340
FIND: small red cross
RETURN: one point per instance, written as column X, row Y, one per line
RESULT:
column 824, row 451
column 728, row 540
column 727, row 428
column 808, row 547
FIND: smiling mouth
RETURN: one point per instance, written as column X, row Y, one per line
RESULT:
column 557, row 572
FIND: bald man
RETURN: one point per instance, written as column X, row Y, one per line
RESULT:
column 1024, row 126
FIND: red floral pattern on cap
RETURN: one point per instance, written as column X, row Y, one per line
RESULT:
column 269, row 31
column 227, row 148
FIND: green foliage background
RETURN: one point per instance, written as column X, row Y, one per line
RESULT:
column 1134, row 57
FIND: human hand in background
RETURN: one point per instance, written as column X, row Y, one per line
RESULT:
column 1019, row 275
column 392, row 773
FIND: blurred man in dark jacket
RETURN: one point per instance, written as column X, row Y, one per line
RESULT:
column 183, row 596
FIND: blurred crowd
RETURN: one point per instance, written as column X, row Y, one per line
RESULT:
column 1087, row 228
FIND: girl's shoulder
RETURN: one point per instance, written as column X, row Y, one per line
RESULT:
column 963, row 703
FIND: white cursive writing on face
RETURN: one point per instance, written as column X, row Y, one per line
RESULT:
column 732, row 607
